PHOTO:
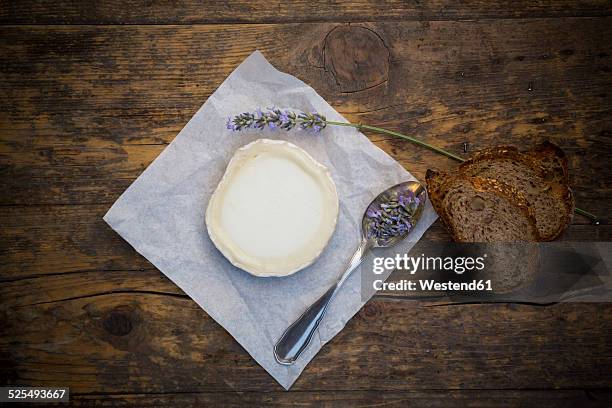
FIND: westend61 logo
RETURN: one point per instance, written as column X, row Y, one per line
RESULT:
column 412, row 264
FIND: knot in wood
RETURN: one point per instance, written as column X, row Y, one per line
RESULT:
column 370, row 311
column 118, row 322
column 357, row 57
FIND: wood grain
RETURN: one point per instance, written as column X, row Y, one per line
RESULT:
column 88, row 111
column 193, row 12
column 58, row 239
column 120, row 341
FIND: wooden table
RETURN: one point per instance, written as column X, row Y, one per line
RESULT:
column 92, row 93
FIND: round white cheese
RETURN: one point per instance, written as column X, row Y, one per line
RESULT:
column 275, row 209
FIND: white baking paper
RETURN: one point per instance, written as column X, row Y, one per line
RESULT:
column 162, row 214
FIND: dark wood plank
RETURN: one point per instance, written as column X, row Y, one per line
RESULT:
column 123, row 341
column 365, row 399
column 89, row 107
column 58, row 239
column 190, row 11
column 52, row 288
column 40, row 240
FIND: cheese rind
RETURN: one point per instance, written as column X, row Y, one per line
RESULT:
column 274, row 210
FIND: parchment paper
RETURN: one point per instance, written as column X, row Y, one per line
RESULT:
column 162, row 214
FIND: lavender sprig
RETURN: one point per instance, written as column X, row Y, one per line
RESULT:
column 275, row 118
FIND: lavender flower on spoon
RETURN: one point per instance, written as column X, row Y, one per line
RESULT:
column 393, row 217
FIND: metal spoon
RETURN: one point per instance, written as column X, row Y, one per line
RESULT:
column 297, row 336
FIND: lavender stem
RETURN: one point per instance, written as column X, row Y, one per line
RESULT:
column 400, row 135
column 577, row 210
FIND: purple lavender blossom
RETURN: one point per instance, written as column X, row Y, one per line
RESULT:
column 373, row 213
column 229, row 124
column 274, row 118
column 402, row 200
column 284, row 117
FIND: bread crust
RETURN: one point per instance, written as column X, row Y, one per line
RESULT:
column 549, row 149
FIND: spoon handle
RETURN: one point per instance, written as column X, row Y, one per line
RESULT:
column 297, row 336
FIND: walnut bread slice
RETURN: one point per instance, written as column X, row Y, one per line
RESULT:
column 477, row 209
column 540, row 174
column 537, row 178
